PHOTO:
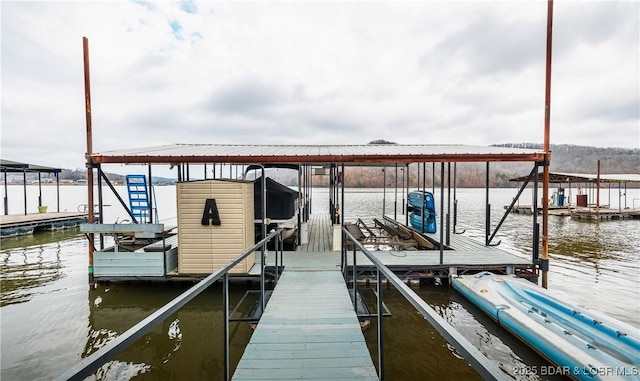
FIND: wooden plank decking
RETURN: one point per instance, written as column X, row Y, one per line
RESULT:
column 320, row 233
column 308, row 331
column 466, row 253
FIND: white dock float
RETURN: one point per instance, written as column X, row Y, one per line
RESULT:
column 309, row 331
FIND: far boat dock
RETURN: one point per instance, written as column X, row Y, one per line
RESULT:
column 27, row 223
column 587, row 204
column 18, row 224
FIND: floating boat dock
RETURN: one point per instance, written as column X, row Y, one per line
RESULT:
column 219, row 213
column 18, row 224
column 587, row 203
column 604, row 213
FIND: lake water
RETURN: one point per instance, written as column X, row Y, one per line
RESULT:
column 51, row 318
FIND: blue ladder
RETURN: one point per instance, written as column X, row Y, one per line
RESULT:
column 138, row 197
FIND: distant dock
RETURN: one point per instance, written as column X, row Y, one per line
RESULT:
column 604, row 213
column 20, row 224
column 589, row 213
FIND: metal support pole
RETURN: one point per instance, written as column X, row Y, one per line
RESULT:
column 354, row 275
column 264, row 235
column 57, row 190
column 277, row 250
column 547, row 149
column 455, row 199
column 150, row 193
column 395, row 201
column 406, row 210
column 433, row 177
column 89, row 133
column 40, row 189
column 384, row 191
column 6, row 195
column 380, row 325
column 441, row 212
column 536, row 227
column 424, row 189
column 225, row 322
column 487, row 209
column 300, row 206
column 100, row 204
column 24, row 187
column 448, row 203
column 342, row 211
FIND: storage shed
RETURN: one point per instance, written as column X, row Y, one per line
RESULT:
column 215, row 225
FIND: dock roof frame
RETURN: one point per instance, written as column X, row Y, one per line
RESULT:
column 315, row 154
column 18, row 167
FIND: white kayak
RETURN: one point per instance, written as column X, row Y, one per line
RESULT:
column 583, row 344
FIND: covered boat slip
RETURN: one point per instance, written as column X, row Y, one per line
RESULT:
column 304, row 158
column 594, row 196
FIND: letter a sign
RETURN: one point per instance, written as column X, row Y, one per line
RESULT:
column 210, row 216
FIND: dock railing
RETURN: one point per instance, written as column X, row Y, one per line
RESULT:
column 90, row 364
column 487, row 369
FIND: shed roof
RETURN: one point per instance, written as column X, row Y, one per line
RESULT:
column 315, row 154
column 15, row 166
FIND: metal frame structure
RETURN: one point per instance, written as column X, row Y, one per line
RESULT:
column 487, row 369
column 91, row 363
column 9, row 166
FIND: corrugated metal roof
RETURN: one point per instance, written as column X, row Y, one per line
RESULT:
column 564, row 177
column 366, row 153
column 15, row 166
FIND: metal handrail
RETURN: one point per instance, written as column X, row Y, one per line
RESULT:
column 90, row 364
column 487, row 369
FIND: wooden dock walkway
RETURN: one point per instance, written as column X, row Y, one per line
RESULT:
column 17, row 224
column 320, row 233
column 309, row 331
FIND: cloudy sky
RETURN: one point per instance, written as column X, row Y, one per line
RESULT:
column 315, row 73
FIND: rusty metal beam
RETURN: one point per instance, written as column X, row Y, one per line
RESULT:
column 354, row 159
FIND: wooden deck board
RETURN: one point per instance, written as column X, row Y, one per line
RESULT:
column 467, row 252
column 320, row 233
column 309, row 331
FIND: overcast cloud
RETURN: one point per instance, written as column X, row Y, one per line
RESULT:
column 315, row 73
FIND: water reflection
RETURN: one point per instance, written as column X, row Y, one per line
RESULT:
column 187, row 345
column 30, row 262
column 422, row 353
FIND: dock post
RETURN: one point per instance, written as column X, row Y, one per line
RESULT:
column 87, row 108
column 448, row 204
column 544, row 261
column 441, row 213
column 6, row 196
column 380, row 325
column 225, row 322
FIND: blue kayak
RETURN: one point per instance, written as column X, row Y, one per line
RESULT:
column 583, row 344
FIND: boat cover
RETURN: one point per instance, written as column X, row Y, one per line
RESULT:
column 281, row 200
